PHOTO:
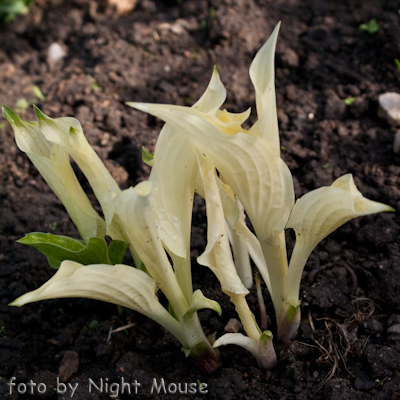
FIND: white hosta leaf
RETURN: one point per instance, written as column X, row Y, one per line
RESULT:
column 321, row 211
column 59, row 175
column 200, row 302
column 241, row 257
column 257, row 175
column 117, row 284
column 135, row 211
column 254, row 249
column 217, row 255
column 262, row 76
column 231, row 210
column 262, row 349
column 233, row 213
column 262, row 66
column 316, row 215
column 214, row 96
column 67, row 132
column 53, row 163
column 190, row 323
column 236, row 221
column 173, row 177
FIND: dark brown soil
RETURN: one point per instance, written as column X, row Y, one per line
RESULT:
column 164, row 51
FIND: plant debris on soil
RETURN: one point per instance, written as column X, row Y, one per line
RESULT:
column 348, row 346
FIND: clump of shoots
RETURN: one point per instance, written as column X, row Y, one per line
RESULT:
column 88, row 267
column 239, row 172
column 249, row 169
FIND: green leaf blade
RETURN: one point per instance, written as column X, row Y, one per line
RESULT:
column 148, row 158
column 116, row 251
column 60, row 248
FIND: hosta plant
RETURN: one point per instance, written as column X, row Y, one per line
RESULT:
column 253, row 174
column 205, row 150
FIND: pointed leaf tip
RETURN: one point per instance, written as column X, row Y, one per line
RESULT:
column 139, row 106
column 10, row 115
column 39, row 113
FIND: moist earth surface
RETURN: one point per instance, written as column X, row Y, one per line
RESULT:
column 329, row 74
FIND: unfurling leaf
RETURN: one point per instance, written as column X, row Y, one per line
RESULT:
column 148, row 158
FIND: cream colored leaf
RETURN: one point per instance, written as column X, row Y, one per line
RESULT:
column 136, row 215
column 200, row 302
column 316, row 215
column 233, row 213
column 257, row 175
column 173, row 177
column 214, row 96
column 321, row 211
column 262, row 76
column 254, row 249
column 53, row 164
column 117, row 284
column 59, row 175
column 262, row 67
column 67, row 132
column 217, row 255
column 262, row 350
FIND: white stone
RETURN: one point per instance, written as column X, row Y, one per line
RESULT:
column 56, row 52
column 389, row 107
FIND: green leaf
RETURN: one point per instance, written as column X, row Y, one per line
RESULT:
column 116, row 251
column 54, row 263
column 38, row 93
column 60, row 248
column 172, row 312
column 349, row 101
column 143, row 268
column 397, row 62
column 10, row 9
column 372, row 27
column 147, row 157
column 22, row 104
column 37, row 239
column 93, row 324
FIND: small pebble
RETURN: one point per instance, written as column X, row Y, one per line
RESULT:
column 69, row 365
column 233, row 326
column 389, row 107
column 56, row 52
